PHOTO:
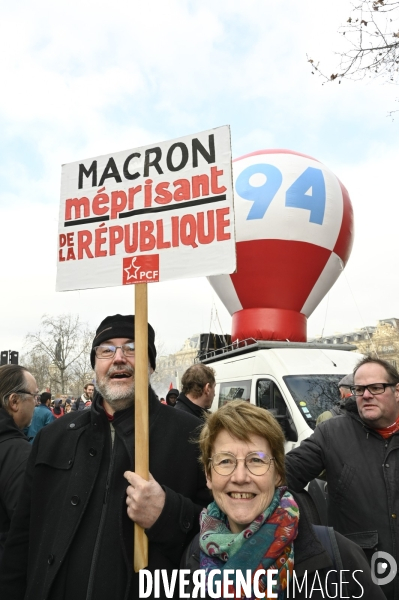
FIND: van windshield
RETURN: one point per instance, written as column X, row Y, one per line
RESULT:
column 314, row 394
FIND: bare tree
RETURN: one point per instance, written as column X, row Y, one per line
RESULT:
column 81, row 371
column 372, row 34
column 64, row 340
column 37, row 362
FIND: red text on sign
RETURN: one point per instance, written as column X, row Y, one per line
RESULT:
column 165, row 192
column 145, row 236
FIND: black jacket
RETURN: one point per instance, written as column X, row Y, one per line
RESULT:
column 362, row 473
column 185, row 404
column 310, row 557
column 71, row 538
column 14, row 451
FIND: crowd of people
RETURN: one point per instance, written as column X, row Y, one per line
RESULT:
column 48, row 409
column 230, row 504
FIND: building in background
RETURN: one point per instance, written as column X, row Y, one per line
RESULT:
column 380, row 341
column 170, row 368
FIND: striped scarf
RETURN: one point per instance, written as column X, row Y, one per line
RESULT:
column 267, row 543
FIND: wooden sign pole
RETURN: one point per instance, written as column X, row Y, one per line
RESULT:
column 141, row 412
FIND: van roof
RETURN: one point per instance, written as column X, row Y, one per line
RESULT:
column 282, row 361
column 253, row 346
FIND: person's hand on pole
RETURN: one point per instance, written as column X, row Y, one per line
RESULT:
column 145, row 499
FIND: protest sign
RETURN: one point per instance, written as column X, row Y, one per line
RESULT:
column 155, row 213
column 148, row 214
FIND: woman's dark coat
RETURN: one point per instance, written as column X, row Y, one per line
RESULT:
column 310, row 556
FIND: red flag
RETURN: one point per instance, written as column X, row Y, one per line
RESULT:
column 171, row 386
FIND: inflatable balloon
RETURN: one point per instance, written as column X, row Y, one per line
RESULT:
column 294, row 232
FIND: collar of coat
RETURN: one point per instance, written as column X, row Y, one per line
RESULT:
column 8, row 428
column 194, row 407
column 96, row 414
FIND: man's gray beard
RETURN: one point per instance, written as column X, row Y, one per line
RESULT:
column 117, row 399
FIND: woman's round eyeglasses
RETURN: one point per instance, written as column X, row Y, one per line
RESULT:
column 257, row 463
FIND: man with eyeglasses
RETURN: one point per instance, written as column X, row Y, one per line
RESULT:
column 360, row 452
column 78, row 544
column 18, row 391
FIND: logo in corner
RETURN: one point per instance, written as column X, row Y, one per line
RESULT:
column 380, row 574
column 140, row 269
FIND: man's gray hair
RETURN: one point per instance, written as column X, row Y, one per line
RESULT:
column 12, row 381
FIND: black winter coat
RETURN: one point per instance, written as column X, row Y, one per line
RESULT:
column 14, row 451
column 312, row 562
column 71, row 538
column 362, row 473
column 183, row 403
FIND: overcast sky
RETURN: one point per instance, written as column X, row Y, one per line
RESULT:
column 84, row 78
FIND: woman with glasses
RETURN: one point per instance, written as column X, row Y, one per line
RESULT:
column 255, row 525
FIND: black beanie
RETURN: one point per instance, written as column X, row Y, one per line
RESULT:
column 121, row 326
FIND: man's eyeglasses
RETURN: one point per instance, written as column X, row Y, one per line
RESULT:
column 108, row 350
column 225, row 463
column 374, row 388
column 36, row 396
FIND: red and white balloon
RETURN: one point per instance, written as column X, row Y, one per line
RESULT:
column 294, row 231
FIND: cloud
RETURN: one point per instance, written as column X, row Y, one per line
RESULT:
column 81, row 79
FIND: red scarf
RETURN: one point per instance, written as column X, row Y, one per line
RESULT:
column 109, row 417
column 386, row 432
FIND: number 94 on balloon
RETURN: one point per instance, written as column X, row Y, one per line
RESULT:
column 284, row 195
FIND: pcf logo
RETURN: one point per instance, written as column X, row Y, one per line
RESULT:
column 140, row 269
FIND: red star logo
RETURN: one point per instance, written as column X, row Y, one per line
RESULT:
column 132, row 270
column 140, row 269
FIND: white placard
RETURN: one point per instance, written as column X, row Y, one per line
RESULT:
column 155, row 213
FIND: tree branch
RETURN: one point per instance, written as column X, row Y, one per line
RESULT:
column 372, row 33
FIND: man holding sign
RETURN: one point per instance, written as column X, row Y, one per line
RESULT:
column 72, row 536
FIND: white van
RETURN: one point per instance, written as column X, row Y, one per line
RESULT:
column 295, row 381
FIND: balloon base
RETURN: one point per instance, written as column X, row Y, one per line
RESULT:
column 276, row 324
